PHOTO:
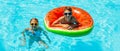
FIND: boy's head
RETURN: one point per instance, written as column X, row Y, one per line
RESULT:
column 68, row 11
column 34, row 23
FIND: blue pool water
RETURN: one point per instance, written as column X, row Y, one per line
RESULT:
column 15, row 17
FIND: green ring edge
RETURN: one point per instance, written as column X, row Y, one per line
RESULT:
column 71, row 33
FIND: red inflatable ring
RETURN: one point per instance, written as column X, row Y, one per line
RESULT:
column 81, row 15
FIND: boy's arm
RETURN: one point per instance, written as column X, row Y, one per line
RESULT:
column 55, row 23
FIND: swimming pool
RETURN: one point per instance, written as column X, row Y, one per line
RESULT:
column 15, row 17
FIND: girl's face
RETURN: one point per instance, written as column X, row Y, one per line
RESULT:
column 34, row 23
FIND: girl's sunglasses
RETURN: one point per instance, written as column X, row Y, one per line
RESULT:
column 68, row 13
column 34, row 24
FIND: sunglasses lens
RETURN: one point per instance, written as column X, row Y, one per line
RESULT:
column 65, row 13
column 68, row 13
column 35, row 24
column 32, row 24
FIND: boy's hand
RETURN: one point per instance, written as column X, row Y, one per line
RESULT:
column 65, row 25
column 70, row 28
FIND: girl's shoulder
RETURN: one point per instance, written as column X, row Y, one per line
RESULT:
column 40, row 28
column 27, row 28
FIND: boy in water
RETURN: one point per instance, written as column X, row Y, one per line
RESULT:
column 67, row 20
column 34, row 33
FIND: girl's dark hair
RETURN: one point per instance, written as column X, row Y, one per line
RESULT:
column 68, row 8
column 34, row 18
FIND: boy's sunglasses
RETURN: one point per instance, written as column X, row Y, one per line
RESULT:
column 68, row 13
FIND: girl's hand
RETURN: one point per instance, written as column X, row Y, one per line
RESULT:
column 23, row 43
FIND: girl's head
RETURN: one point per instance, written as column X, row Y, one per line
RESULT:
column 34, row 23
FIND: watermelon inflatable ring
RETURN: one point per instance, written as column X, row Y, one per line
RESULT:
column 81, row 15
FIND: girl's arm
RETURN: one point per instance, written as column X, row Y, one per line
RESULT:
column 45, row 33
column 24, row 39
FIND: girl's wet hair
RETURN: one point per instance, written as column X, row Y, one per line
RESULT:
column 68, row 8
column 34, row 19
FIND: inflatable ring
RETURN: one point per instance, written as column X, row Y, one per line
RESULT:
column 81, row 15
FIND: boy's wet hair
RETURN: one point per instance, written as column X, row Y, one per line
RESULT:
column 68, row 8
column 34, row 19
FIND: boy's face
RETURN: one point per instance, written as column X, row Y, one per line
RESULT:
column 34, row 24
column 67, row 13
